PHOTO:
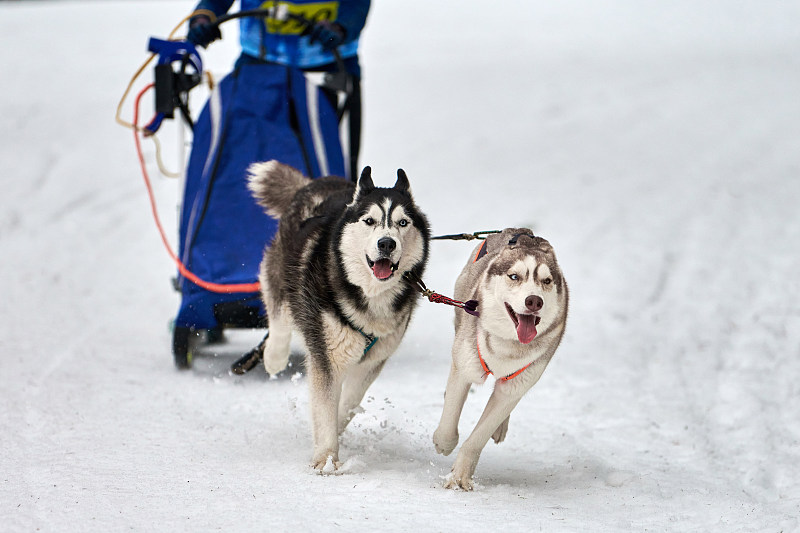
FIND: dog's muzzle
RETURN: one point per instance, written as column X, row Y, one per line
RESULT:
column 382, row 268
column 526, row 323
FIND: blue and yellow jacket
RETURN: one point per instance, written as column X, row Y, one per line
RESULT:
column 275, row 41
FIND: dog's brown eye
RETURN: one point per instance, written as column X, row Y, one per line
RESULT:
column 547, row 281
column 513, row 277
column 369, row 221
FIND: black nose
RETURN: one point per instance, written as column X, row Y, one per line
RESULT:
column 386, row 245
column 534, row 303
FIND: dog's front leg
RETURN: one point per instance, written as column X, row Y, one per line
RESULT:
column 496, row 413
column 325, row 389
column 500, row 434
column 445, row 437
column 359, row 378
column 277, row 347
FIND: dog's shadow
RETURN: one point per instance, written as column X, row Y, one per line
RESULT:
column 216, row 359
column 578, row 473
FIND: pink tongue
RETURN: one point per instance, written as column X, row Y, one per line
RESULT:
column 526, row 329
column 383, row 269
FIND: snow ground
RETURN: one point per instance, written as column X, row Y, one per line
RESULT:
column 656, row 145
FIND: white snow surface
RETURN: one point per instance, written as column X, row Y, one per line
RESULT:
column 657, row 147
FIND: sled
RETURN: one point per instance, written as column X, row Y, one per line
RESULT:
column 258, row 112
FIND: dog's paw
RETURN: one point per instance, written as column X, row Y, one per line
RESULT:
column 444, row 443
column 456, row 482
column 273, row 365
column 499, row 434
column 460, row 476
column 346, row 417
column 326, row 465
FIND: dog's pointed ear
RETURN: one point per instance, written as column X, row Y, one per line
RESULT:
column 364, row 183
column 402, row 184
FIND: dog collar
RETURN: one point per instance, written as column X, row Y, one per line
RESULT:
column 486, row 367
column 369, row 341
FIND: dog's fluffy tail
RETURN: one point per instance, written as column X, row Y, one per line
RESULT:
column 274, row 185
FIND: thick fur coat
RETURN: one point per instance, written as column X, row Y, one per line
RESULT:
column 522, row 303
column 334, row 274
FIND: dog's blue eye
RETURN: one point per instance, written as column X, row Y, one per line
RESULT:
column 513, row 276
column 369, row 221
column 403, row 223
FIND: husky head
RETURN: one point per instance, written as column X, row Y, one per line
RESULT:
column 525, row 293
column 384, row 235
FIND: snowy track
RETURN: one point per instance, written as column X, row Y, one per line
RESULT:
column 657, row 147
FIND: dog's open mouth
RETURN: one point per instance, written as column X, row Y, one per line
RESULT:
column 382, row 268
column 525, row 325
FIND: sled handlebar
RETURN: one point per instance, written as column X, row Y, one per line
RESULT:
column 172, row 87
column 170, row 84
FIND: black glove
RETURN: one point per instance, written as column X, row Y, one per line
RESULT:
column 202, row 32
column 328, row 34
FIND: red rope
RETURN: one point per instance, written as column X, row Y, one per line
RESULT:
column 470, row 306
column 435, row 297
column 185, row 272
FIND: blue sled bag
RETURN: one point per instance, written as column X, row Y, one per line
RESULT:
column 256, row 113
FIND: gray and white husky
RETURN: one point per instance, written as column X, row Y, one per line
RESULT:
column 334, row 274
column 522, row 303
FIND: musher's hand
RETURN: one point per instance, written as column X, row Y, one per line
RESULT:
column 202, row 32
column 328, row 34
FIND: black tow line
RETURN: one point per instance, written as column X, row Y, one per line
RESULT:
column 470, row 306
column 249, row 360
column 465, row 236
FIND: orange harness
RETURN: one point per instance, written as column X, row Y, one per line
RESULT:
column 480, row 253
column 486, row 367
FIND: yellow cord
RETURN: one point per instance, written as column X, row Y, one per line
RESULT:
column 119, row 119
column 138, row 73
column 206, row 12
column 160, row 162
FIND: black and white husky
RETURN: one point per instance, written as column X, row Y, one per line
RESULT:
column 334, row 274
column 522, row 303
